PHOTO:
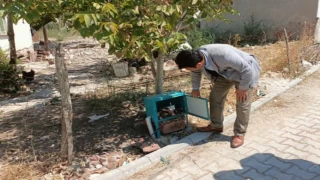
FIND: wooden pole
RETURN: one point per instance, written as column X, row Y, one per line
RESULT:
column 317, row 28
column 288, row 50
column 66, row 105
column 12, row 44
column 45, row 37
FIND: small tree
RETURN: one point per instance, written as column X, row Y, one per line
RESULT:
column 148, row 28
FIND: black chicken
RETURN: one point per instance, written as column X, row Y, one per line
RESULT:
column 28, row 76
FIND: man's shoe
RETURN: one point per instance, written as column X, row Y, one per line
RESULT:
column 237, row 141
column 210, row 128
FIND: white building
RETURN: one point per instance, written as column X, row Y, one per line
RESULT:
column 23, row 37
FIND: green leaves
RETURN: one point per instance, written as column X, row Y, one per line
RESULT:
column 87, row 19
column 132, row 27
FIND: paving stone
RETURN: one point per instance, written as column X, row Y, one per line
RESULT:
column 188, row 177
column 307, row 122
column 228, row 151
column 208, row 176
column 193, row 170
column 227, row 175
column 316, row 178
column 312, row 150
column 253, row 152
column 244, row 149
column 259, row 147
column 278, row 164
column 295, row 144
column 176, row 174
column 279, row 154
column 292, row 136
column 315, row 168
column 297, row 152
column 161, row 177
column 186, row 163
column 276, row 138
column 292, row 130
column 259, row 139
column 307, row 129
column 252, row 174
column 279, row 175
column 290, row 125
column 310, row 135
column 313, row 158
column 294, row 170
column 255, row 164
column 243, row 170
column 276, row 145
column 264, row 157
column 302, row 164
column 237, row 156
column 232, row 165
column 214, row 167
column 225, row 161
column 317, row 117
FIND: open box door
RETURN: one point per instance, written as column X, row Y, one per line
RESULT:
column 198, row 107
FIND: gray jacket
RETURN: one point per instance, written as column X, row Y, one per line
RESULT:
column 231, row 63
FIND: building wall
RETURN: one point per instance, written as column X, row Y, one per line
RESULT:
column 278, row 14
column 23, row 38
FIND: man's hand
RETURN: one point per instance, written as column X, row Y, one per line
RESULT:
column 242, row 95
column 195, row 93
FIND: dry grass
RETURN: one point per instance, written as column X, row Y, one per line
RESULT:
column 19, row 172
column 274, row 57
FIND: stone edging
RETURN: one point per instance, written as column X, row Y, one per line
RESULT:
column 195, row 138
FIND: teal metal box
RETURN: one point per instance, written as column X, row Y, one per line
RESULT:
column 178, row 100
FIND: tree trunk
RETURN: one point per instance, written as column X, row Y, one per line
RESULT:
column 159, row 74
column 317, row 31
column 12, row 44
column 153, row 68
column 45, row 37
column 66, row 120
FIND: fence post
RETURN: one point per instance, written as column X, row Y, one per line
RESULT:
column 317, row 29
column 288, row 50
column 66, row 105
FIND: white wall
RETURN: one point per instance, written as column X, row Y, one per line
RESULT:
column 279, row 14
column 23, row 38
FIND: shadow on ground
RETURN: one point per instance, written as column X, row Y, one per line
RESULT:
column 268, row 166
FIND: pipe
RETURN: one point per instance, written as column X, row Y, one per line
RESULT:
column 149, row 124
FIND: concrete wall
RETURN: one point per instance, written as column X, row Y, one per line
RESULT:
column 23, row 38
column 290, row 14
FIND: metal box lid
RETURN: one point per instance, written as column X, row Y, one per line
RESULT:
column 198, row 107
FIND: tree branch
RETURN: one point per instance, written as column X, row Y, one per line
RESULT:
column 178, row 27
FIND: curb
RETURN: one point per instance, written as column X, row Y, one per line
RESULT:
column 193, row 139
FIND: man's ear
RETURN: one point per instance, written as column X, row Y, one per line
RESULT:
column 199, row 65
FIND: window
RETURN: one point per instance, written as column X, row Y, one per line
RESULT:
column 3, row 26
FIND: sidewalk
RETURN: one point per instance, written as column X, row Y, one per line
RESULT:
column 283, row 142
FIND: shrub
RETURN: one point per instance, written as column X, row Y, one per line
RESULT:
column 198, row 37
column 9, row 78
column 255, row 32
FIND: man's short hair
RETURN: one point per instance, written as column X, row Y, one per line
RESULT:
column 188, row 58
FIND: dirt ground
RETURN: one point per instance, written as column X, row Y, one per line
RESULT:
column 31, row 135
